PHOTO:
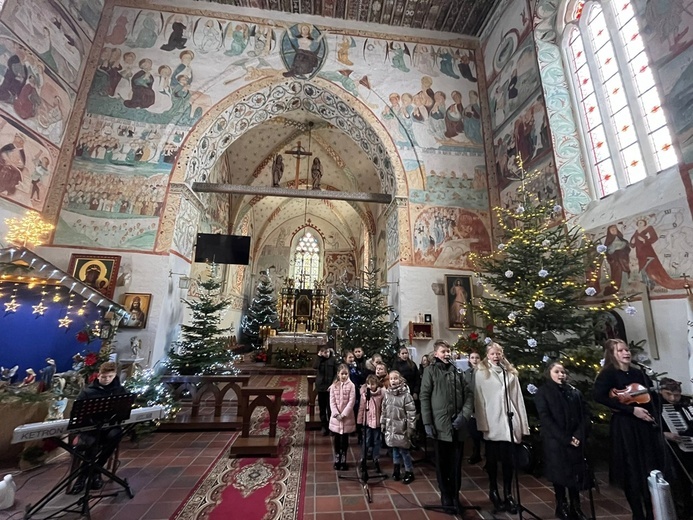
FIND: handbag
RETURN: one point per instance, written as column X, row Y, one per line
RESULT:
column 524, row 456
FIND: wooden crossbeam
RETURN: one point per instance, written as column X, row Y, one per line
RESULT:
column 267, row 191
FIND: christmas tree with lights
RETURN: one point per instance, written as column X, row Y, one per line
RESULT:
column 362, row 316
column 204, row 346
column 262, row 311
column 539, row 289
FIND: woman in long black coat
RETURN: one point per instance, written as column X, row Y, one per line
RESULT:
column 564, row 424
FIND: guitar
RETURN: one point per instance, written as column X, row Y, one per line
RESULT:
column 634, row 393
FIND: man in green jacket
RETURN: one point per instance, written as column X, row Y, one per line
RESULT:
column 447, row 403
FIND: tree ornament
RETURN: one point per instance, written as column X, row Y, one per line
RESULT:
column 520, row 210
column 557, row 208
column 501, row 246
column 545, row 243
column 601, row 248
column 532, row 343
column 488, row 340
column 630, row 310
column 532, row 389
column 543, row 273
column 590, row 291
column 508, row 273
column 545, row 359
column 539, row 304
column 512, row 316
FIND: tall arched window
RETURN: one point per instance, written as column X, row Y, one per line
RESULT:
column 307, row 260
column 624, row 129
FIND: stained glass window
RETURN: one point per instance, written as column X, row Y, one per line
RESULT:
column 306, row 261
column 624, row 127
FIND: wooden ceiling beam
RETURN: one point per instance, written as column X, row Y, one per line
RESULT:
column 268, row 191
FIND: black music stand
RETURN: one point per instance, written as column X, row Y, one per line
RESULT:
column 362, row 476
column 93, row 415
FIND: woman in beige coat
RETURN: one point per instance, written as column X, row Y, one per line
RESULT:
column 496, row 386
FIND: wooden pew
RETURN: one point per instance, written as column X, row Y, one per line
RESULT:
column 247, row 445
column 198, row 387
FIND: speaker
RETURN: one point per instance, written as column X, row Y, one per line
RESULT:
column 222, row 249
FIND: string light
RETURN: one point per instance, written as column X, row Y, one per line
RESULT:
column 12, row 305
column 30, row 229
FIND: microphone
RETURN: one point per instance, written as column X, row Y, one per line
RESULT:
column 646, row 368
column 368, row 393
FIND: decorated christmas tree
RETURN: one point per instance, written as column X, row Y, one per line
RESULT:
column 262, row 311
column 204, row 346
column 362, row 316
column 540, row 289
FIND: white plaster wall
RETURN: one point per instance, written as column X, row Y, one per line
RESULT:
column 416, row 296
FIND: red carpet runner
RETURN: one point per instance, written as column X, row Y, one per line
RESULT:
column 265, row 488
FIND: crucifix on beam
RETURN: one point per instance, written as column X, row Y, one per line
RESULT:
column 299, row 152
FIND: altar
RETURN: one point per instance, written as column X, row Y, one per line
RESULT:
column 288, row 340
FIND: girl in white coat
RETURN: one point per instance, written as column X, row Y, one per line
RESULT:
column 497, row 386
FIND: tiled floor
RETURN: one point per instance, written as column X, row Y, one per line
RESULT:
column 164, row 470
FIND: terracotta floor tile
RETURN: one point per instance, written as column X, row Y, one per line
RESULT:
column 328, row 504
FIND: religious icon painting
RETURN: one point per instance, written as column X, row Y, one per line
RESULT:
column 97, row 271
column 458, row 294
column 137, row 305
column 303, row 51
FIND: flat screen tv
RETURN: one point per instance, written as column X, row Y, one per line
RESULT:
column 222, row 249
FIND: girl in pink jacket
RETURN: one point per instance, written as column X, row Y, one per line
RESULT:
column 342, row 422
column 369, row 416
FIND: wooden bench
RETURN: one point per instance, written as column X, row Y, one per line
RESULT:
column 312, row 418
column 247, row 445
column 198, row 387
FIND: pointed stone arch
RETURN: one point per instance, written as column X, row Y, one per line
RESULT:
column 259, row 102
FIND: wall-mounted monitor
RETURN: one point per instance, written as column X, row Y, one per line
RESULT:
column 222, row 249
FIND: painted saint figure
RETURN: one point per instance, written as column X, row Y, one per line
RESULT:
column 458, row 307
column 618, row 256
column 277, row 170
column 648, row 261
column 308, row 51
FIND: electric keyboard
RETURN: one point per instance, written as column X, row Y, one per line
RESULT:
column 45, row 430
column 678, row 422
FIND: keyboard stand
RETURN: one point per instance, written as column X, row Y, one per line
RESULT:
column 109, row 410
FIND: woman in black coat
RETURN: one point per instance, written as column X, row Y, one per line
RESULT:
column 635, row 442
column 409, row 371
column 564, row 423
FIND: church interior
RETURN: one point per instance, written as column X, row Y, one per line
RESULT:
column 312, row 144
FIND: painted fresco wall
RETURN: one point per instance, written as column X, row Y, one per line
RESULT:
column 43, row 49
column 517, row 110
column 160, row 71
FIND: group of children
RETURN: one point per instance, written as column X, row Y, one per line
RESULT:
column 364, row 396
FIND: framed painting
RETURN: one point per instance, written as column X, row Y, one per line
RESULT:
column 458, row 296
column 97, row 271
column 137, row 304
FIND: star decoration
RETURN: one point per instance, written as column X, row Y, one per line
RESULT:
column 65, row 322
column 39, row 309
column 11, row 306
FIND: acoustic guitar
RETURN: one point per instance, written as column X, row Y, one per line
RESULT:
column 634, row 393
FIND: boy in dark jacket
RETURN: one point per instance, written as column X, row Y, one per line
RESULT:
column 326, row 365
column 447, row 404
column 107, row 440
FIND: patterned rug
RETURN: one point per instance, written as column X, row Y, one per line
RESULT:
column 245, row 487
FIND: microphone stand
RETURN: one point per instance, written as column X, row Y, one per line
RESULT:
column 362, row 476
column 520, row 508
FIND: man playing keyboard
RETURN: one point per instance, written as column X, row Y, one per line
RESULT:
column 90, row 442
column 679, row 414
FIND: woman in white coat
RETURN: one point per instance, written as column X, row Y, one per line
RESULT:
column 497, row 386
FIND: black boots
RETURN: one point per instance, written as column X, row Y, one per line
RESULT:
column 408, row 477
column 344, row 466
column 396, row 472
column 494, row 497
column 337, row 461
column 376, row 463
column 576, row 513
column 562, row 510
column 510, row 505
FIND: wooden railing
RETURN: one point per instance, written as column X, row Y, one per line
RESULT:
column 192, row 389
column 247, row 445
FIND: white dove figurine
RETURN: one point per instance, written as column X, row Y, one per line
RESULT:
column 7, row 489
